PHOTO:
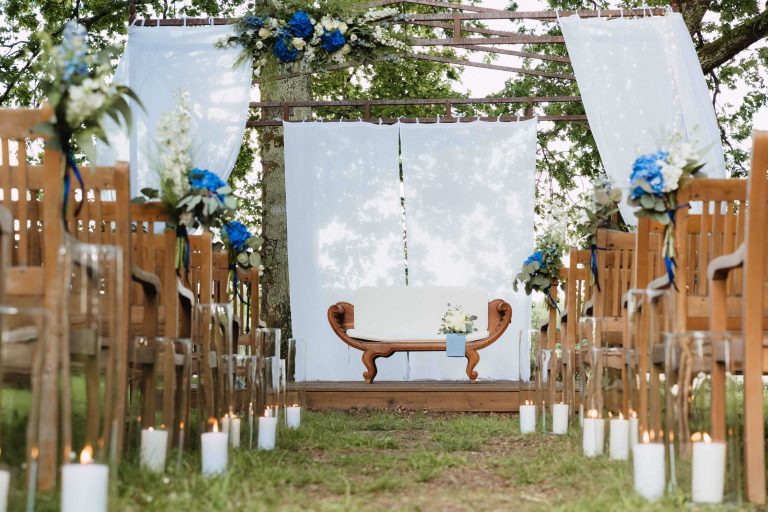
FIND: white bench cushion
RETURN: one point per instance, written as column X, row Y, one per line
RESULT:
column 413, row 313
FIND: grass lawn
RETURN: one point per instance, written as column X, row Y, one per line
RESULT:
column 364, row 460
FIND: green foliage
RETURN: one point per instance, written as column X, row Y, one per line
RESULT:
column 597, row 210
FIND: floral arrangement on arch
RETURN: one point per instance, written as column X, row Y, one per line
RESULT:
column 542, row 268
column 77, row 86
column 654, row 182
column 243, row 251
column 192, row 197
column 315, row 38
column 456, row 321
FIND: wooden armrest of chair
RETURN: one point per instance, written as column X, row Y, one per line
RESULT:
column 660, row 283
column 149, row 281
column 720, row 267
column 589, row 307
column 184, row 293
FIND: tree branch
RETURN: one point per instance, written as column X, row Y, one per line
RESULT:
column 693, row 12
column 724, row 48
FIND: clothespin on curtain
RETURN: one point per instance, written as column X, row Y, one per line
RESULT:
column 184, row 21
column 621, row 12
column 438, row 118
column 210, row 20
column 557, row 15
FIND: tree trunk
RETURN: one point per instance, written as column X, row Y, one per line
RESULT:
column 275, row 297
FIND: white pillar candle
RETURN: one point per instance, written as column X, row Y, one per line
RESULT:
column 634, row 429
column 154, row 446
column 649, row 469
column 225, row 424
column 215, row 451
column 234, row 432
column 619, row 440
column 593, row 437
column 84, row 486
column 267, row 432
column 560, row 419
column 5, row 483
column 708, row 479
column 293, row 416
column 527, row 418
column 581, row 415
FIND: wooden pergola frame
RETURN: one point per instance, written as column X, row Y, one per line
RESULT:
column 457, row 35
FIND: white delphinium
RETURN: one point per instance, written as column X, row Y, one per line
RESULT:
column 680, row 155
column 174, row 138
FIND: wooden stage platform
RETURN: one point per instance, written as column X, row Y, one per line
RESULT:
column 488, row 396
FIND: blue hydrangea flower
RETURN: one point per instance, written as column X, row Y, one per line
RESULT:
column 75, row 67
column 538, row 257
column 332, row 41
column 202, row 179
column 647, row 168
column 300, row 25
column 237, row 234
column 253, row 21
column 285, row 51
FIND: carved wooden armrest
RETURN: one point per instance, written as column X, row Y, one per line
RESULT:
column 720, row 267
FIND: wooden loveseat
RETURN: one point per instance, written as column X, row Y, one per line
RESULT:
column 385, row 320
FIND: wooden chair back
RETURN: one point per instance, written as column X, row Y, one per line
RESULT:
column 33, row 275
column 578, row 292
column 6, row 235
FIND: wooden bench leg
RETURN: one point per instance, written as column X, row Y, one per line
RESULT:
column 369, row 360
column 472, row 359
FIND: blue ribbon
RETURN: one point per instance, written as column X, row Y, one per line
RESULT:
column 550, row 298
column 181, row 232
column 235, row 281
column 669, row 262
column 593, row 263
column 71, row 166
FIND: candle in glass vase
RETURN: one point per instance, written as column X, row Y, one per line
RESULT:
column 634, row 429
column 5, row 483
column 708, row 467
column 154, row 446
column 619, row 441
column 593, row 437
column 649, row 469
column 293, row 416
column 267, row 431
column 527, row 418
column 84, row 486
column 225, row 424
column 560, row 419
column 215, row 454
column 234, row 431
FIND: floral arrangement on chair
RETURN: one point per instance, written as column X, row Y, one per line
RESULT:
column 595, row 211
column 193, row 197
column 76, row 86
column 456, row 321
column 542, row 267
column 243, row 251
column 314, row 38
column 654, row 182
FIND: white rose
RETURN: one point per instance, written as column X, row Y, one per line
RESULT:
column 259, row 45
column 342, row 27
column 264, row 32
column 353, row 37
column 346, row 49
column 298, row 43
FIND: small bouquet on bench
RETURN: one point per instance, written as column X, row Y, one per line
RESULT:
column 456, row 324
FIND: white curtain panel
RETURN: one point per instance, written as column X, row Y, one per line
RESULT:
column 641, row 80
column 344, row 231
column 160, row 61
column 469, row 191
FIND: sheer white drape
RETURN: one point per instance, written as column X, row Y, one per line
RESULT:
column 158, row 62
column 469, row 191
column 344, row 231
column 641, row 80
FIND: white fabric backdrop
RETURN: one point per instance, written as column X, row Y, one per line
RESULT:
column 469, row 191
column 640, row 79
column 157, row 63
column 344, row 231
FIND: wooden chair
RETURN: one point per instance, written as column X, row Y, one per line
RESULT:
column 752, row 354
column 6, row 235
column 33, row 277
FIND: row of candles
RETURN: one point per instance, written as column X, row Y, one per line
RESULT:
column 85, row 486
column 648, row 455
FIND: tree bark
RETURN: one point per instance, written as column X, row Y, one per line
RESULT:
column 275, row 291
column 726, row 47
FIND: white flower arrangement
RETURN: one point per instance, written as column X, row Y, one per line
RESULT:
column 456, row 321
column 173, row 134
